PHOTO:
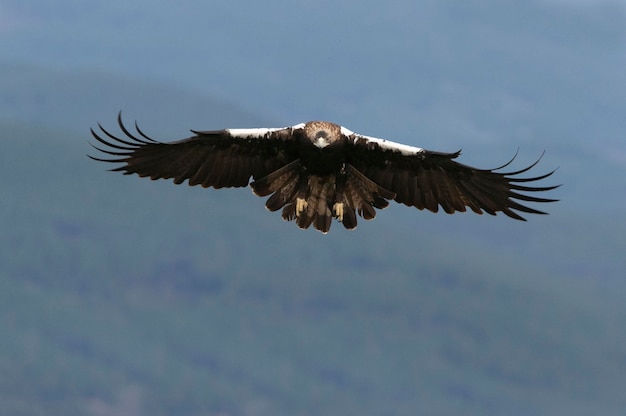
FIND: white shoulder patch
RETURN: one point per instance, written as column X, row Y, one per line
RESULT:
column 258, row 133
column 389, row 145
column 346, row 132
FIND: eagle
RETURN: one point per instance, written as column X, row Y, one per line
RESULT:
column 318, row 170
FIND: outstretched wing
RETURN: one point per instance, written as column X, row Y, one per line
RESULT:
column 221, row 158
column 426, row 179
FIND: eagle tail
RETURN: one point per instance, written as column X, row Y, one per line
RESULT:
column 313, row 207
column 313, row 200
column 323, row 214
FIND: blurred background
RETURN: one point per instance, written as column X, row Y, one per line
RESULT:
column 123, row 296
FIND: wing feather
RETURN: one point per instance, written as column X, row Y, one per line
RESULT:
column 220, row 158
column 429, row 180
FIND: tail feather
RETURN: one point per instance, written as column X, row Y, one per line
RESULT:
column 323, row 215
column 317, row 212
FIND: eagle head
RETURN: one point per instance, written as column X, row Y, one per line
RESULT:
column 322, row 133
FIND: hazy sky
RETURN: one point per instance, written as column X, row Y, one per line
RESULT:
column 539, row 70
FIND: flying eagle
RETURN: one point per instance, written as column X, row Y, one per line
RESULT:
column 318, row 170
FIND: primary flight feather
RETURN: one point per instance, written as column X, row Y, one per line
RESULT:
column 317, row 171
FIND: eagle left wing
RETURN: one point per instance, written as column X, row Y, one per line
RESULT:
column 221, row 158
column 427, row 179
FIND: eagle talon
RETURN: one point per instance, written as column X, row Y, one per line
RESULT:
column 338, row 210
column 301, row 206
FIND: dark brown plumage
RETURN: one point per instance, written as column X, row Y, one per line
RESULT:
column 319, row 170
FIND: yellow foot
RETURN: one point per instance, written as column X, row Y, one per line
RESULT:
column 301, row 205
column 338, row 209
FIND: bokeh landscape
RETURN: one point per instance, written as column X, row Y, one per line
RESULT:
column 123, row 296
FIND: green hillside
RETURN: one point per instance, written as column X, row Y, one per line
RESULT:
column 125, row 296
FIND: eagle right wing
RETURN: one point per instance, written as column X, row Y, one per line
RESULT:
column 220, row 158
column 427, row 179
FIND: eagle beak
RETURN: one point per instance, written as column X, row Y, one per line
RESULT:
column 321, row 139
column 321, row 142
